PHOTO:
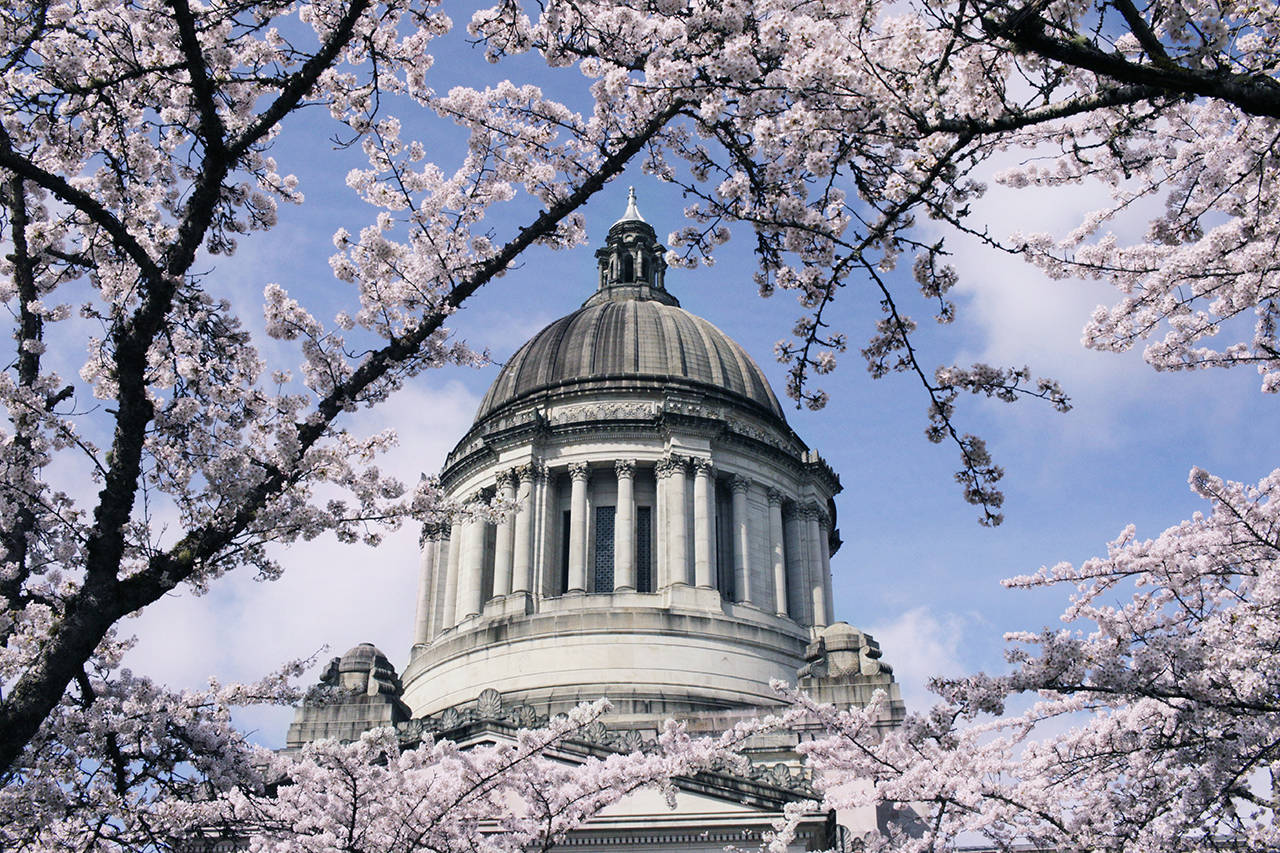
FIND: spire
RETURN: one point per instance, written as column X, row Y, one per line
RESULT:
column 631, row 262
column 633, row 213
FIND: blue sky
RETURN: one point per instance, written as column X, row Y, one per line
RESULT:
column 916, row 569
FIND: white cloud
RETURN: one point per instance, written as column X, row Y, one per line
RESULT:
column 330, row 594
column 919, row 644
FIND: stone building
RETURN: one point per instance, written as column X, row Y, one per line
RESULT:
column 668, row 546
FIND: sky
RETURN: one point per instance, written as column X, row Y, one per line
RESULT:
column 916, row 569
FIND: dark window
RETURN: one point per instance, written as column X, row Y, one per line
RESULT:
column 628, row 268
column 724, row 543
column 602, row 577
column 564, row 552
column 644, row 550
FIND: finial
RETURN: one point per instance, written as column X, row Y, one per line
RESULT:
column 633, row 213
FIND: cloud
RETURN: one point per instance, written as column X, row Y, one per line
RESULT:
column 920, row 644
column 1024, row 316
column 330, row 595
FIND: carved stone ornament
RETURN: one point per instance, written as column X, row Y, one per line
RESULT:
column 489, row 705
column 604, row 411
column 595, row 732
column 505, row 479
column 450, row 719
column 578, row 470
column 525, row 716
column 526, row 472
column 702, row 466
column 775, row 497
column 630, row 740
column 739, row 483
column 668, row 466
column 625, row 468
column 780, row 775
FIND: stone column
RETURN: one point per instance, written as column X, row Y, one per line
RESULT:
column 678, row 519
column 704, row 532
column 796, row 533
column 426, row 585
column 451, row 579
column 741, row 540
column 818, row 589
column 624, row 527
column 441, row 547
column 522, row 544
column 544, row 530
column 824, row 565
column 667, row 519
column 471, row 570
column 777, row 550
column 578, row 528
column 505, row 539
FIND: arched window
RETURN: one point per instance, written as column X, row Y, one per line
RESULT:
column 628, row 268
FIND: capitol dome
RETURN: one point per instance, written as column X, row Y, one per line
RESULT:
column 665, row 542
column 621, row 345
column 671, row 540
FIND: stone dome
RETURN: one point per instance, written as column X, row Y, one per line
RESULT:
column 630, row 344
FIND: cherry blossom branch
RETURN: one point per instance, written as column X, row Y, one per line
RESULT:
column 1254, row 94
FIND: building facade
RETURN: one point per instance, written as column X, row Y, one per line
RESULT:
column 666, row 543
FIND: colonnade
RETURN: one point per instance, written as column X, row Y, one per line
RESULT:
column 470, row 560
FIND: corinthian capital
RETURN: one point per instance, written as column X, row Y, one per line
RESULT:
column 668, row 466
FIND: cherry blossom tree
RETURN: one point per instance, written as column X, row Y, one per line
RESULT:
column 136, row 147
column 198, row 782
column 133, row 137
column 523, row 795
column 832, row 128
column 1155, row 729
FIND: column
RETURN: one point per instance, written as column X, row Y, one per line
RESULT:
column 451, row 579
column 817, row 587
column 796, row 534
column 704, row 494
column 777, row 550
column 668, row 517
column 471, row 569
column 624, row 527
column 441, row 547
column 824, row 564
column 505, row 538
column 741, row 540
column 677, row 509
column 545, row 562
column 426, row 585
column 578, row 528
column 522, row 565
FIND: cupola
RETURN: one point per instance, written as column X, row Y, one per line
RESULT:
column 632, row 263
